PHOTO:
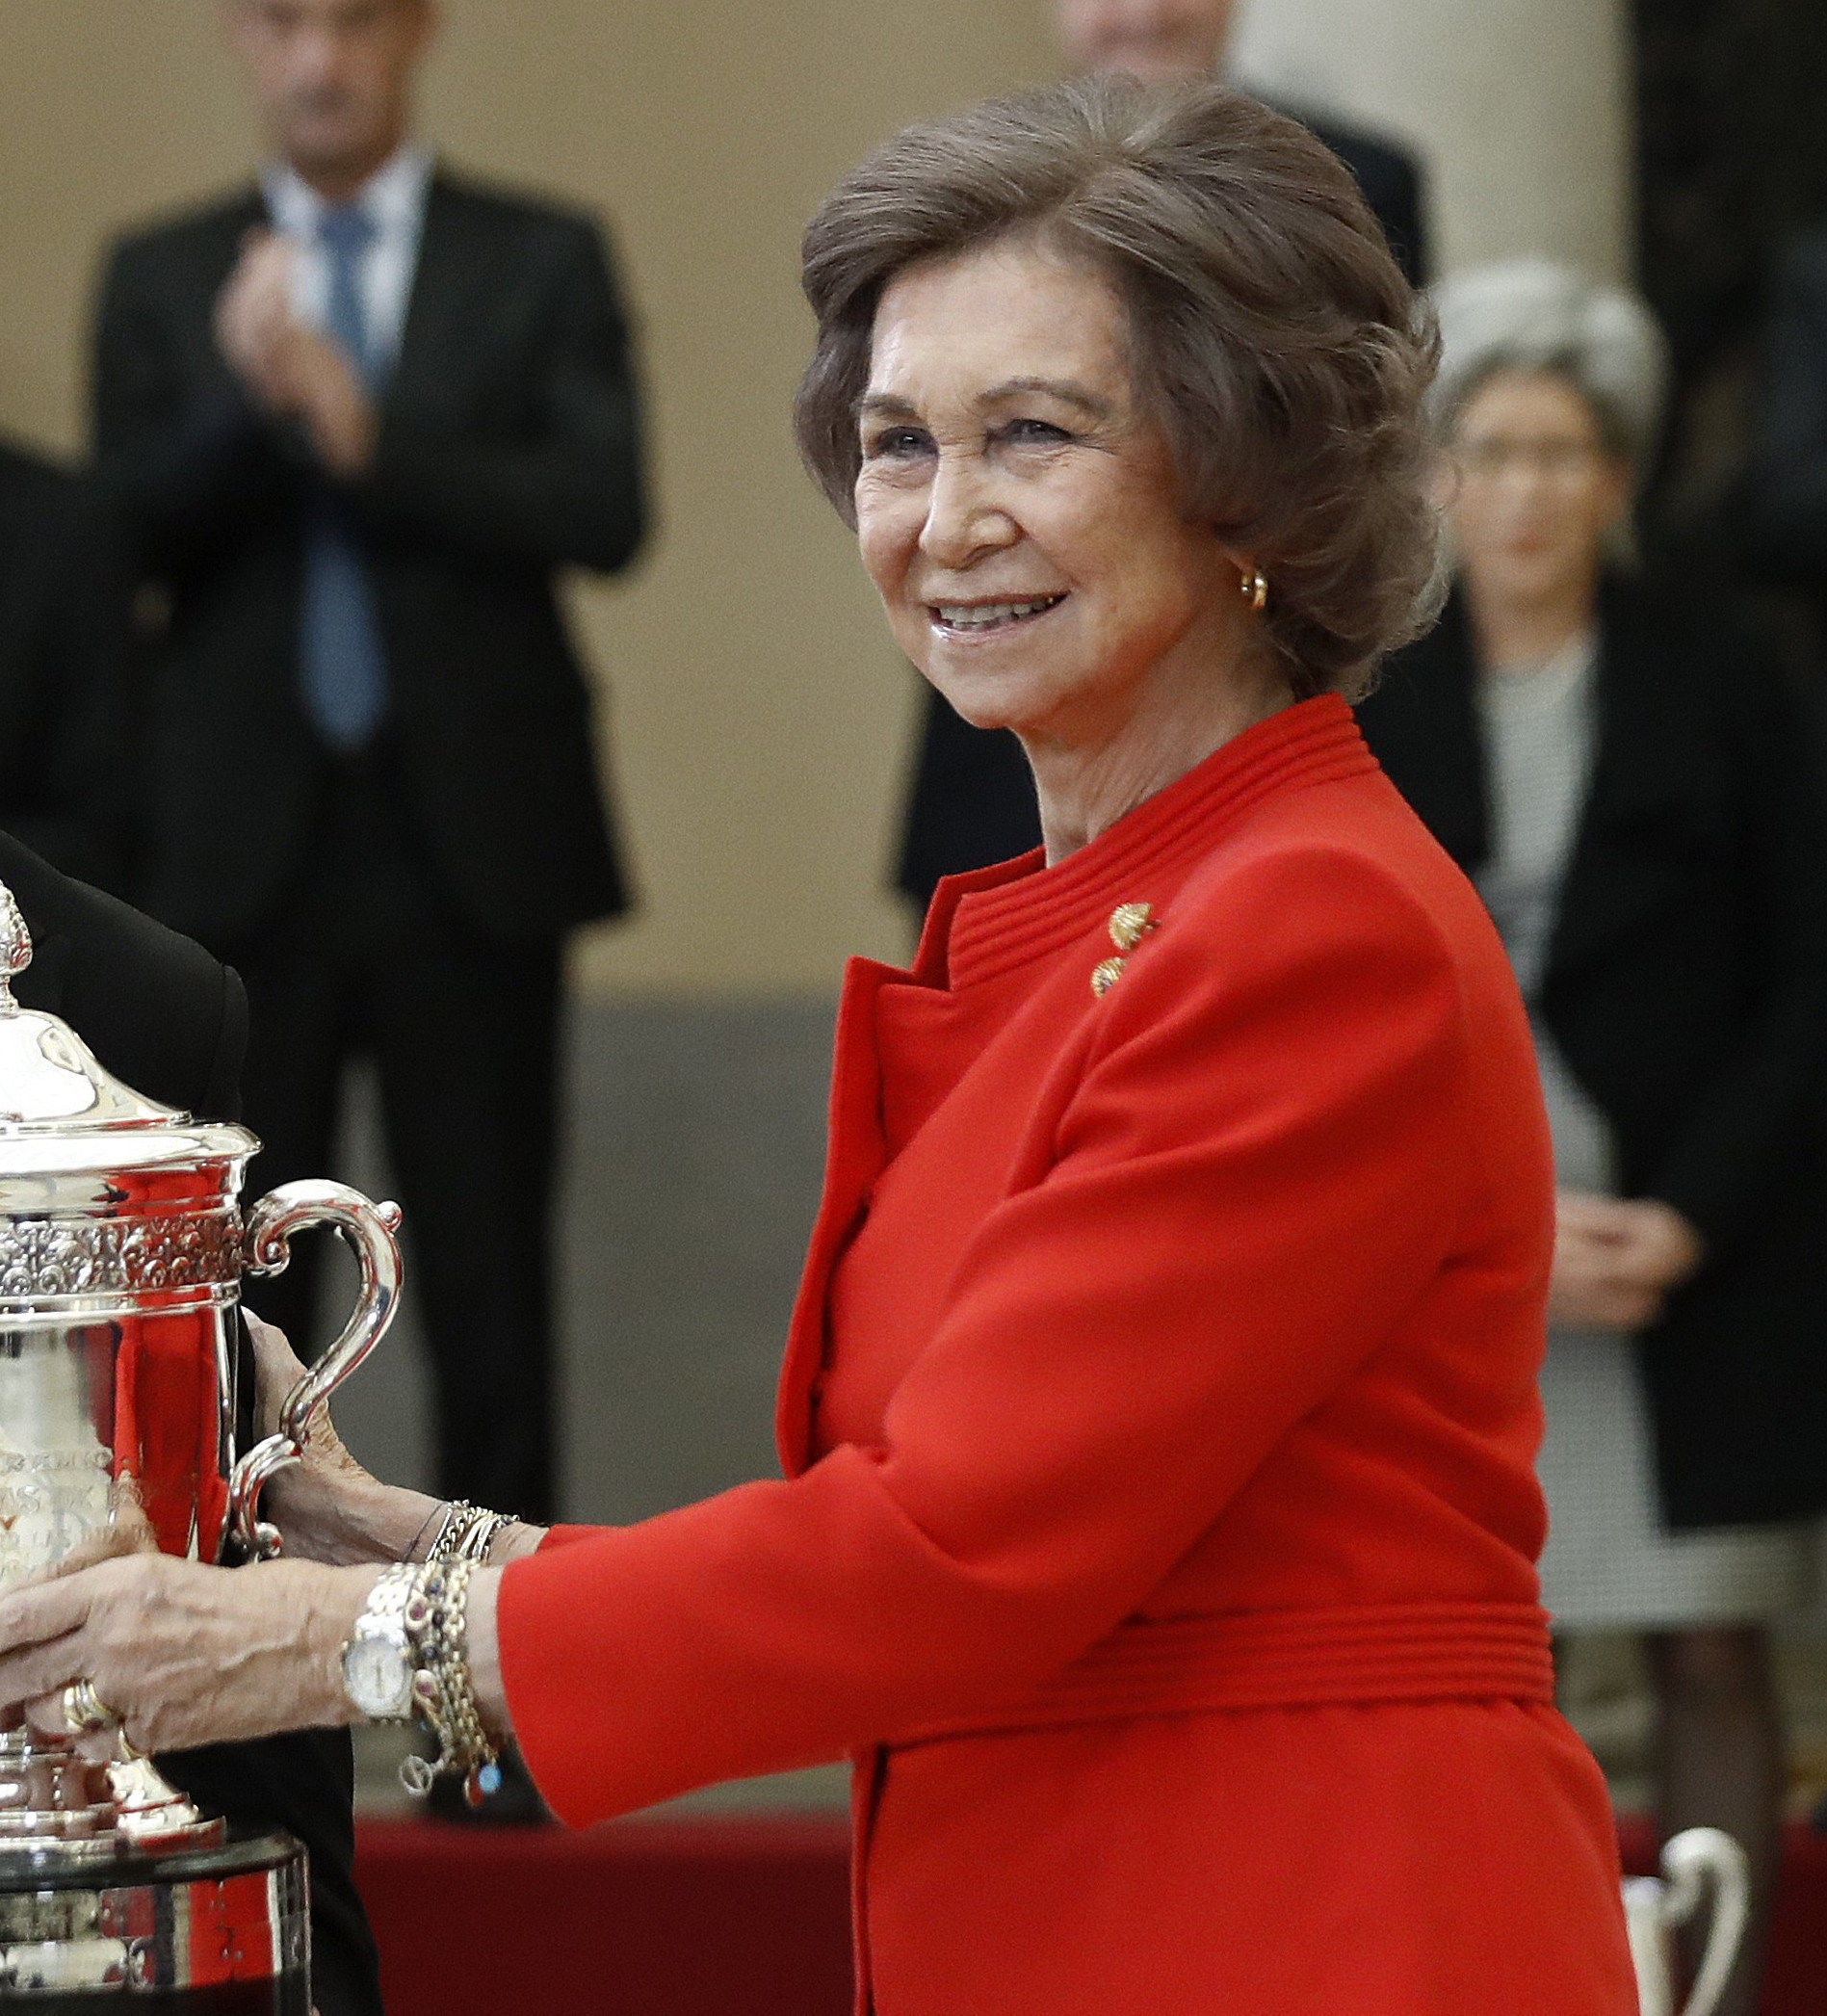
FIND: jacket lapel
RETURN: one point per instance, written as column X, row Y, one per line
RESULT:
column 854, row 1155
column 453, row 268
column 1638, row 783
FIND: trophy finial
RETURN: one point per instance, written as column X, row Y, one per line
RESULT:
column 15, row 948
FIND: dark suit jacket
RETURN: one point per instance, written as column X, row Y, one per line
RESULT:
column 1393, row 185
column 971, row 798
column 170, row 1022
column 1687, row 985
column 62, row 639
column 509, row 448
column 1782, row 521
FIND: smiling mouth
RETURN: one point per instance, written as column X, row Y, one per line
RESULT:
column 968, row 618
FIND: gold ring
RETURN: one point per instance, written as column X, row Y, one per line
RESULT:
column 85, row 1712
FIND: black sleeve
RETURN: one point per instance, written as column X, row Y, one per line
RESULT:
column 1783, row 517
column 182, row 474
column 222, row 1097
column 1761, row 1108
column 571, row 494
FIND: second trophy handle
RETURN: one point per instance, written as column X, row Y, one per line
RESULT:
column 1690, row 1862
column 370, row 1230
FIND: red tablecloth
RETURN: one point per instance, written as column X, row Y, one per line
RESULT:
column 735, row 1917
column 740, row 1916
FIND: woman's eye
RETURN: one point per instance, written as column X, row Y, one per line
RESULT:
column 898, row 444
column 1034, row 433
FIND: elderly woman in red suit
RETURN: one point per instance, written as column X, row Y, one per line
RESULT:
column 1158, row 1525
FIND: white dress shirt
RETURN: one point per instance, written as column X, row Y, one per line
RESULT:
column 393, row 198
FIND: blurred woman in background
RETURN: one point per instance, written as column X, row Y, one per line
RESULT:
column 1627, row 780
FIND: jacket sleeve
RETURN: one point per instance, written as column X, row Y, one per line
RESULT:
column 1784, row 517
column 1762, row 1106
column 1260, row 1169
column 571, row 494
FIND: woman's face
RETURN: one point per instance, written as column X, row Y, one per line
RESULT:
column 1018, row 511
column 1532, row 493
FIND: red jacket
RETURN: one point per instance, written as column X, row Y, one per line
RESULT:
column 1157, row 1421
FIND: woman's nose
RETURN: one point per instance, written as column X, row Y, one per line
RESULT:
column 963, row 516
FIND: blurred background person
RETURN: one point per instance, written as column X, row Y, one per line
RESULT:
column 971, row 798
column 355, row 419
column 1163, row 41
column 63, row 641
column 1626, row 780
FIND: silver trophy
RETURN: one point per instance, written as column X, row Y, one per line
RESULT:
column 122, row 1246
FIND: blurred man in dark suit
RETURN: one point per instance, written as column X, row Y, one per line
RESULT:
column 166, row 1019
column 355, row 419
column 971, row 801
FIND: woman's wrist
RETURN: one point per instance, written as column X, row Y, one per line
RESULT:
column 456, row 1529
column 513, row 1543
column 351, row 1521
column 341, row 1599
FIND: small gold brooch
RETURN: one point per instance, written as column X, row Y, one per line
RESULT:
column 1130, row 924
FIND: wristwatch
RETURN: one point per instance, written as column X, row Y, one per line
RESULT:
column 377, row 1664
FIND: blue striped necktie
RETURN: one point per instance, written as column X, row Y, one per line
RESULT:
column 343, row 666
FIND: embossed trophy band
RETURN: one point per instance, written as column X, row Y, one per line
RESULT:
column 46, row 1259
column 224, row 1932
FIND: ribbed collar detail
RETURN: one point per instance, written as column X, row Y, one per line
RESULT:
column 986, row 923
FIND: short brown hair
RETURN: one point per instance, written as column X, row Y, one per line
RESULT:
column 1271, row 331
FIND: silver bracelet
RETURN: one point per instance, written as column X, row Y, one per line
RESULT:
column 466, row 1532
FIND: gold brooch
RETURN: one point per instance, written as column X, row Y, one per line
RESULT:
column 1130, row 924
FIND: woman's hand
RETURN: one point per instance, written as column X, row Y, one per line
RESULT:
column 326, row 1507
column 184, row 1653
column 1616, row 1259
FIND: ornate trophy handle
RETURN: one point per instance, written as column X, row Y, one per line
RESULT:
column 1689, row 1862
column 267, row 1246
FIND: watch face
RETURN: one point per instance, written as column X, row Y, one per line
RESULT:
column 376, row 1677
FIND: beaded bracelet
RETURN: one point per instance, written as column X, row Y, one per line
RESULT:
column 443, row 1692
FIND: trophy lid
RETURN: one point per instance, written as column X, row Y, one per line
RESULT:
column 63, row 1113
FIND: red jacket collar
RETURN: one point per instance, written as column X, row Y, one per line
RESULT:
column 984, row 923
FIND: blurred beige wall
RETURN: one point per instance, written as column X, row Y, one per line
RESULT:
column 1522, row 106
column 759, row 721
